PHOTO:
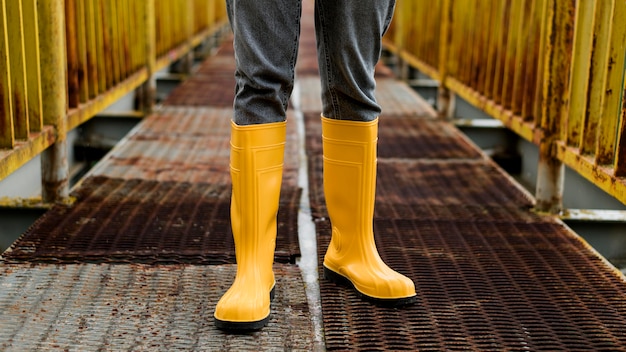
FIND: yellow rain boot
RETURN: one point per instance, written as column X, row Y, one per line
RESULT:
column 349, row 186
column 256, row 166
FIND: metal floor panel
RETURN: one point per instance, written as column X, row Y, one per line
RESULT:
column 405, row 137
column 90, row 307
column 404, row 185
column 212, row 84
column 186, row 144
column 395, row 98
column 139, row 221
column 482, row 285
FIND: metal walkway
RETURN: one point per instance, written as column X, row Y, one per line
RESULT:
column 141, row 257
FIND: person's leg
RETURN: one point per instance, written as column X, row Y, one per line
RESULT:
column 266, row 39
column 349, row 43
column 266, row 35
column 349, row 36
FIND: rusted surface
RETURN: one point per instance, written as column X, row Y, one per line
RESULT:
column 483, row 284
column 187, row 145
column 134, row 307
column 394, row 97
column 213, row 84
column 405, row 185
column 421, row 162
column 116, row 220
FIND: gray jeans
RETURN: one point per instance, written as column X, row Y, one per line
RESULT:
column 266, row 37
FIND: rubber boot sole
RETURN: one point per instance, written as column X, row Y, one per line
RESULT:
column 383, row 302
column 243, row 326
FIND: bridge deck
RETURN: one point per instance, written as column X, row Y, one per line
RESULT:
column 139, row 260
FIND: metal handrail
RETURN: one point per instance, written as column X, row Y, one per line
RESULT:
column 64, row 61
column 551, row 70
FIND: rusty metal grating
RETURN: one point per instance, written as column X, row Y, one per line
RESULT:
column 483, row 285
column 213, row 83
column 406, row 137
column 187, row 145
column 103, row 307
column 216, row 90
column 143, row 221
column 404, row 185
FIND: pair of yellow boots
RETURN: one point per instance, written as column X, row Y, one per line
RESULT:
column 257, row 152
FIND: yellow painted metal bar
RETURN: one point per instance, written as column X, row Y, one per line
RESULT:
column 149, row 22
column 529, row 89
column 101, row 62
column 620, row 157
column 614, row 100
column 579, row 72
column 597, row 78
column 73, row 93
column 23, row 151
column 523, row 57
column 7, row 139
column 600, row 175
column 537, row 108
column 91, row 49
column 81, row 45
column 444, row 97
column 54, row 165
column 18, row 69
column 490, row 63
column 33, row 68
column 510, row 64
column 515, row 123
column 76, row 117
column 481, row 53
column 116, row 49
column 558, row 56
column 125, row 30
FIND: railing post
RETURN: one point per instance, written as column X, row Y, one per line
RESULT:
column 149, row 87
column 54, row 164
column 7, row 137
column 445, row 98
column 558, row 52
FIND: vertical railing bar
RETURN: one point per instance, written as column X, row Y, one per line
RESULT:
column 19, row 84
column 533, row 58
column 148, row 22
column 54, row 165
column 81, row 41
column 33, row 68
column 589, row 136
column 522, row 57
column 550, row 171
column 115, row 41
column 73, row 88
column 100, row 52
column 125, row 43
column 620, row 156
column 500, row 57
column 492, row 48
column 579, row 72
column 7, row 137
column 476, row 44
column 91, row 45
column 484, row 25
column 444, row 97
column 608, row 127
column 509, row 64
column 537, row 108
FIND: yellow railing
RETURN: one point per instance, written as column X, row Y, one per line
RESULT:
column 64, row 61
column 551, row 70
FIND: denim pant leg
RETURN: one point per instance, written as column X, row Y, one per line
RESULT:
column 349, row 34
column 266, row 35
